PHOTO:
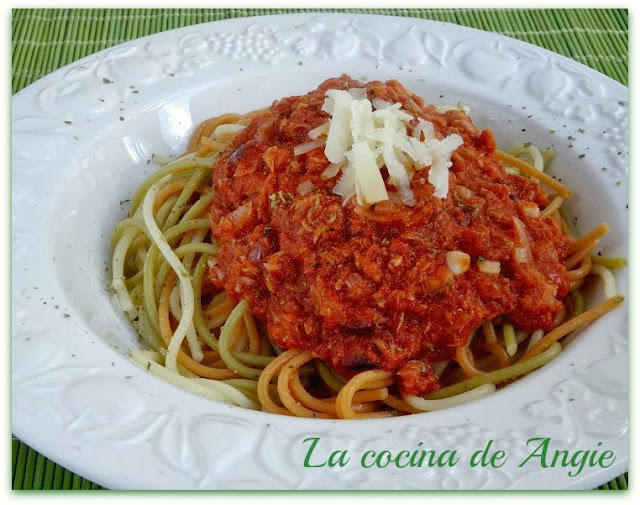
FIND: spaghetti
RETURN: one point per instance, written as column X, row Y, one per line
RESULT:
column 201, row 340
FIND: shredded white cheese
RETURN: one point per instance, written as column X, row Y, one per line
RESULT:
column 358, row 93
column 369, row 184
column 331, row 171
column 364, row 136
column 339, row 140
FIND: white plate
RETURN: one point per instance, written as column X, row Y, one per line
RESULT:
column 82, row 137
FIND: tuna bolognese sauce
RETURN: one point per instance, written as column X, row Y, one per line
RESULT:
column 352, row 252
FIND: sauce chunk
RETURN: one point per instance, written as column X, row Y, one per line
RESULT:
column 366, row 288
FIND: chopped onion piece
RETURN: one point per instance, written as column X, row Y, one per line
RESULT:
column 323, row 129
column 305, row 187
column 309, row 146
column 446, row 108
column 522, row 253
column 489, row 267
column 228, row 129
column 463, row 192
column 531, row 210
column 458, row 262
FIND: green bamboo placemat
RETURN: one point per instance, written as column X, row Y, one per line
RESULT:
column 47, row 39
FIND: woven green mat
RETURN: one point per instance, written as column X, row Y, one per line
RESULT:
column 47, row 39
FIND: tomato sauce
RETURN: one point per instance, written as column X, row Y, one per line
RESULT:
column 370, row 288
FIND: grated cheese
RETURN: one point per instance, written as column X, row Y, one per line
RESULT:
column 370, row 187
column 364, row 136
column 331, row 171
column 339, row 142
